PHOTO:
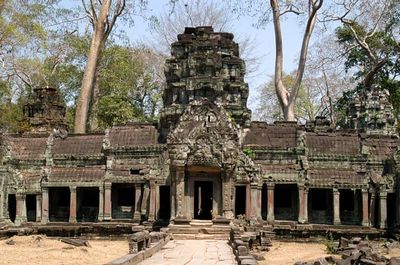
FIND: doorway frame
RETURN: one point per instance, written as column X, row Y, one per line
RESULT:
column 205, row 175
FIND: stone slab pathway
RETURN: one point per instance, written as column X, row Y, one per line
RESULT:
column 193, row 252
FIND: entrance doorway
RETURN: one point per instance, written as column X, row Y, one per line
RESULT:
column 12, row 207
column 203, row 200
column 31, row 207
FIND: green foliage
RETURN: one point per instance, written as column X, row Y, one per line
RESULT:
column 249, row 152
column 12, row 118
column 384, row 46
column 126, row 82
column 330, row 244
column 270, row 110
column 114, row 110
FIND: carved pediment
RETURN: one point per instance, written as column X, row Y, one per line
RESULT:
column 205, row 135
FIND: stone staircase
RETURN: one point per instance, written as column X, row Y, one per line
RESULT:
column 200, row 229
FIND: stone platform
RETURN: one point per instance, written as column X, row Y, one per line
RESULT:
column 192, row 252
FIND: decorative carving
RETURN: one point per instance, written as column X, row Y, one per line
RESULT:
column 204, row 136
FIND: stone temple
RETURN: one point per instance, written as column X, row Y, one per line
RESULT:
column 205, row 159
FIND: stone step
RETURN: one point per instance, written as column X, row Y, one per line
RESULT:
column 196, row 230
column 200, row 236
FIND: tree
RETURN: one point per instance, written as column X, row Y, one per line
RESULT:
column 287, row 98
column 102, row 24
column 326, row 76
column 307, row 108
column 130, row 87
column 372, row 45
column 370, row 41
column 274, row 12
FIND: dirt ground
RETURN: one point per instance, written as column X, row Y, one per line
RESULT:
column 30, row 250
column 287, row 253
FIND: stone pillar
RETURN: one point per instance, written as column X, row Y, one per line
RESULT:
column 145, row 199
column 72, row 204
column 248, row 202
column 173, row 200
column 336, row 207
column 227, row 209
column 302, row 204
column 255, row 202
column 180, row 194
column 306, row 205
column 152, row 206
column 365, row 213
column 372, row 209
column 157, row 203
column 1, row 206
column 138, row 194
column 45, row 205
column 38, row 207
column 107, row 201
column 21, row 209
column 270, row 204
column 383, row 209
column 100, row 217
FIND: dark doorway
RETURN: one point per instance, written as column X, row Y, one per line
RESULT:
column 165, row 203
column 264, row 202
column 240, row 201
column 12, row 207
column 31, row 207
column 87, row 204
column 123, row 201
column 320, row 206
column 203, row 200
column 391, row 212
column 350, row 206
column 59, row 199
column 286, row 197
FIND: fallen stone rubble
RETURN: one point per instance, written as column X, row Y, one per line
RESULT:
column 248, row 246
column 356, row 251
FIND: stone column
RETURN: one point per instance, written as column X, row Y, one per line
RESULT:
column 38, row 207
column 157, row 201
column 227, row 209
column 255, row 202
column 72, row 204
column 270, row 204
column 365, row 213
column 372, row 209
column 336, row 207
column 383, row 209
column 152, row 206
column 100, row 217
column 107, row 201
column 45, row 205
column 302, row 206
column 138, row 194
column 1, row 206
column 145, row 199
column 21, row 209
column 248, row 202
column 306, row 204
column 173, row 200
column 180, row 194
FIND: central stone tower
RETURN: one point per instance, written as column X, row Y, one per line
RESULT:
column 204, row 65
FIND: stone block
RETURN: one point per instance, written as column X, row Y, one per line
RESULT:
column 242, row 250
column 394, row 261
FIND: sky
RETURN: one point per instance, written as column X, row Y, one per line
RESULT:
column 264, row 40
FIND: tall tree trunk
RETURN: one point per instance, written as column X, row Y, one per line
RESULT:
column 82, row 107
column 287, row 99
column 94, row 103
